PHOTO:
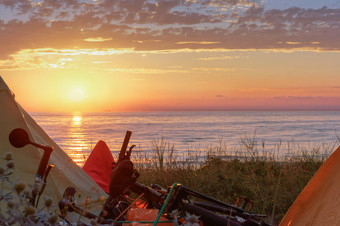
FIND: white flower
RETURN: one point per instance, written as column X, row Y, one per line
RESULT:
column 192, row 220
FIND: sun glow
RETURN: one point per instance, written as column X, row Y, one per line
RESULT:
column 76, row 94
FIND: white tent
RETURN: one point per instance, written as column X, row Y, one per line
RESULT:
column 65, row 172
column 318, row 203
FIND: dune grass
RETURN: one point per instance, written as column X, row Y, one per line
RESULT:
column 271, row 180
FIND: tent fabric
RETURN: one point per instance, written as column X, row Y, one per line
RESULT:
column 65, row 172
column 319, row 201
column 99, row 165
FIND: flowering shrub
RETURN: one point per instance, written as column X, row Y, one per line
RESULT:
column 15, row 202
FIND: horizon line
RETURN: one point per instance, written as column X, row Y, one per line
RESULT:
column 196, row 110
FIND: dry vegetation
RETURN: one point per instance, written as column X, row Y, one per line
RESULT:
column 273, row 182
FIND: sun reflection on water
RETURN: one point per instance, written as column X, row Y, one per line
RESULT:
column 76, row 121
column 77, row 142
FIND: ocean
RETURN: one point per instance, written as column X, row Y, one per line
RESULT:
column 274, row 131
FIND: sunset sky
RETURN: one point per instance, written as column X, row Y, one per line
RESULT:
column 143, row 55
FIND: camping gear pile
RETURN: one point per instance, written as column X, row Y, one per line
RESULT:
column 174, row 205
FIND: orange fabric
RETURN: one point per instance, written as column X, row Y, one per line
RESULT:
column 319, row 201
column 99, row 165
column 137, row 214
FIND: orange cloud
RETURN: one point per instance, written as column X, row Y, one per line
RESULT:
column 97, row 39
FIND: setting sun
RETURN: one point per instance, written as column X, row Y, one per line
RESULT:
column 76, row 94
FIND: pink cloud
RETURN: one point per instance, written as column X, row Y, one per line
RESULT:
column 65, row 24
